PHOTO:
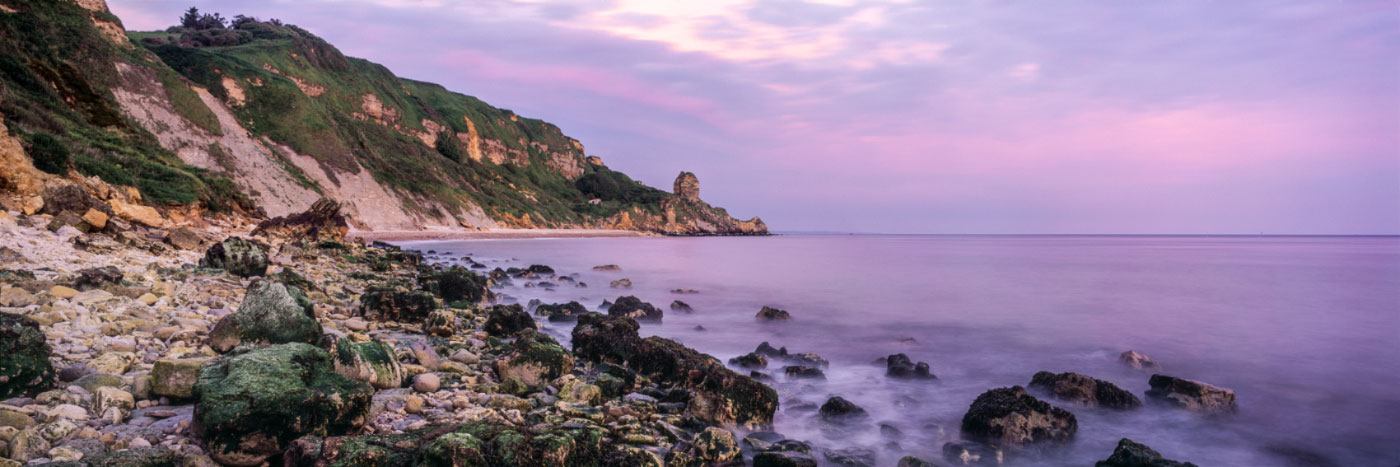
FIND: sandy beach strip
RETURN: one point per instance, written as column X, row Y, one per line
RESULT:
column 494, row 234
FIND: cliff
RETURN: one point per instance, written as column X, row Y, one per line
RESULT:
column 266, row 118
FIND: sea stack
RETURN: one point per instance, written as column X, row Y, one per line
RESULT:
column 687, row 186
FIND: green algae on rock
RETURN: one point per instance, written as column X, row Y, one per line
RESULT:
column 536, row 359
column 25, row 368
column 386, row 303
column 271, row 313
column 252, row 403
column 372, row 362
column 506, row 320
column 243, row 258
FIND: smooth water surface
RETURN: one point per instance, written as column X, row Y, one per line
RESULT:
column 1305, row 329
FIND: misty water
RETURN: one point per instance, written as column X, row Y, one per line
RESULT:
column 1306, row 330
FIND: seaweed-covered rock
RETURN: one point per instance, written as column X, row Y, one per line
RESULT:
column 1011, row 418
column 604, row 338
column 900, row 366
column 505, row 320
column 240, row 257
column 633, row 307
column 1132, row 454
column 371, row 362
column 271, row 313
column 252, row 403
column 92, row 278
column 838, row 409
column 176, row 377
column 457, row 284
column 321, row 222
column 1084, row 390
column 481, row 443
column 25, row 368
column 715, row 445
column 773, row 314
column 911, row 461
column 749, row 360
column 1191, row 395
column 540, row 269
column 561, row 311
column 393, row 304
column 535, row 359
column 783, row 459
column 441, row 323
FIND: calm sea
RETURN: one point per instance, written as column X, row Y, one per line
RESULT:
column 1305, row 329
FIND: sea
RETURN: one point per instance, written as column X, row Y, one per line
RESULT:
column 1305, row 329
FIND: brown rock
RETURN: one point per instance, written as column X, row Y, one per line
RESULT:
column 322, row 221
column 137, row 213
column 183, row 238
column 687, row 186
column 96, row 219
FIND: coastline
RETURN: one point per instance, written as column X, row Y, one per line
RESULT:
column 493, row 234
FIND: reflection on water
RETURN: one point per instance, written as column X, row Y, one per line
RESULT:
column 1305, row 329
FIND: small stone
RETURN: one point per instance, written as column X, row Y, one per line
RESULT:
column 413, row 404
column 107, row 398
column 426, row 382
column 63, row 292
column 68, row 411
column 356, row 324
column 96, row 219
column 148, row 298
column 773, row 314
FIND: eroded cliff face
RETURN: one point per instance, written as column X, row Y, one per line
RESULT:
column 685, row 214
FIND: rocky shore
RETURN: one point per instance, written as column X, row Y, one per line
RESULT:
column 286, row 344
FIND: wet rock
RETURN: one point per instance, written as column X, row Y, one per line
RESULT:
column 1136, row 360
column 371, row 362
column 607, row 267
column 749, row 360
column 253, row 403
column 623, row 283
column 506, row 320
column 535, row 359
column 682, row 307
column 457, row 284
column 838, row 409
column 321, row 222
column 240, row 257
column 1132, row 454
column 633, row 307
column 176, row 377
column 851, row 457
column 597, row 337
column 964, row 452
column 911, row 461
column 471, row 444
column 1191, row 395
column 803, row 372
column 900, row 366
column 540, row 269
column 560, row 312
column 383, row 303
column 25, row 368
column 715, row 445
column 773, row 314
column 93, row 278
column 271, row 313
column 783, row 459
column 1011, row 418
column 1084, row 390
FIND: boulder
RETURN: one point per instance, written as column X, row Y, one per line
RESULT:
column 715, row 446
column 175, row 377
column 900, row 366
column 96, row 220
column 68, row 197
column 773, row 314
column 536, row 359
column 271, row 313
column 252, row 403
column 137, row 213
column 480, row 443
column 457, row 284
column 682, row 307
column 321, row 222
column 243, row 258
column 598, row 337
column 1132, row 454
column 374, row 363
column 911, row 461
column 783, row 459
column 750, row 361
column 561, row 311
column 801, row 372
column 441, row 323
column 382, row 303
column 183, row 238
column 1011, row 418
column 505, row 320
column 1191, row 395
column 93, row 278
column 1083, row 390
column 838, row 409
column 623, row 283
column 850, row 457
column 25, row 368
column 633, row 307
column 1136, row 360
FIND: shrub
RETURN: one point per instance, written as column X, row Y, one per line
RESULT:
column 49, row 154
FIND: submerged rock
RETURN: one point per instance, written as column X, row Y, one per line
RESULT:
column 253, row 403
column 1084, row 390
column 25, row 368
column 911, row 461
column 964, row 452
column 682, row 307
column 750, row 360
column 1132, row 454
column 1011, row 418
column 561, row 311
column 271, row 313
column 773, row 314
column 393, row 304
column 505, row 320
column 783, row 459
column 535, row 359
column 838, row 409
column 900, row 366
column 1191, row 395
column 633, row 307
column 243, row 258
column 1137, row 360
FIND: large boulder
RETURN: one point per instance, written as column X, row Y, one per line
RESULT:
column 505, row 320
column 271, row 313
column 371, row 362
column 1011, row 418
column 633, row 307
column 838, row 409
column 536, row 359
column 322, row 221
column 1132, row 454
column 243, row 258
column 25, row 368
column 393, row 304
column 1083, row 390
column 1191, row 395
column 603, row 338
column 252, row 403
column 561, row 311
column 457, row 284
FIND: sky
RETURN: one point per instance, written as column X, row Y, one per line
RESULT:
column 895, row 116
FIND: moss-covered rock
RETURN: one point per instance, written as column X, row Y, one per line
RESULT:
column 463, row 445
column 25, row 368
column 561, row 311
column 633, row 307
column 252, row 403
column 1132, row 454
column 506, row 320
column 457, row 284
column 536, row 359
column 1011, row 418
column 442, row 323
column 240, row 257
column 271, row 313
column 603, row 338
column 175, row 377
column 371, row 362
column 392, row 304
